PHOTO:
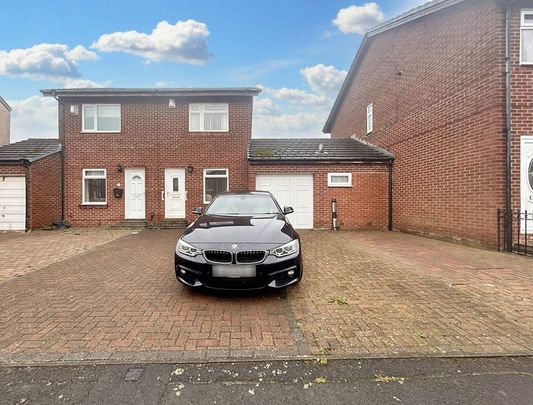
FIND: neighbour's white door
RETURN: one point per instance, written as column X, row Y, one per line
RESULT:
column 175, row 194
column 134, row 194
column 12, row 203
column 293, row 190
column 526, row 181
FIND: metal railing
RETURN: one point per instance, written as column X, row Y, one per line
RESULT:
column 515, row 231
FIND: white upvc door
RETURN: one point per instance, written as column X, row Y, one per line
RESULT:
column 134, row 194
column 175, row 193
column 526, row 180
column 12, row 203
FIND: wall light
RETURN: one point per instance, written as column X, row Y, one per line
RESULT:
column 171, row 103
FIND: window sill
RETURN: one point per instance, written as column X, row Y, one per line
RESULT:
column 208, row 132
column 100, row 132
column 93, row 205
column 343, row 186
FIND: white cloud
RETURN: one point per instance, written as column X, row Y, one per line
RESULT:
column 358, row 19
column 183, row 42
column 296, row 96
column 323, row 79
column 44, row 61
column 33, row 117
column 265, row 106
column 301, row 124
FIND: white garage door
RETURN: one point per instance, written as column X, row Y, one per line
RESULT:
column 12, row 203
column 293, row 190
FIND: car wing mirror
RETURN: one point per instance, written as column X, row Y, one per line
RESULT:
column 198, row 210
column 287, row 210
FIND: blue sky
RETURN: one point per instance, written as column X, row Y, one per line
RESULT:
column 298, row 51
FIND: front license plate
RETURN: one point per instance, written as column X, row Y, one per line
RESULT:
column 233, row 271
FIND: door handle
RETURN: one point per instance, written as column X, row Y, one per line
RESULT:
column 162, row 196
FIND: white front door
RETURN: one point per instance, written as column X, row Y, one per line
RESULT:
column 293, row 190
column 12, row 203
column 134, row 194
column 175, row 194
column 526, row 181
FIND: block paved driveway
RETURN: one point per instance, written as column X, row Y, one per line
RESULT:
column 364, row 294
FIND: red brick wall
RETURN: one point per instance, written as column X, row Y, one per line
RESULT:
column 363, row 206
column 12, row 169
column 522, row 100
column 437, row 88
column 44, row 191
column 153, row 137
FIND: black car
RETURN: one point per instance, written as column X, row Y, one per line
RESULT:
column 241, row 241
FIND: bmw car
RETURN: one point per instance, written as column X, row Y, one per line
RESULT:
column 242, row 241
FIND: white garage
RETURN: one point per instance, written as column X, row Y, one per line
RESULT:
column 12, row 203
column 293, row 190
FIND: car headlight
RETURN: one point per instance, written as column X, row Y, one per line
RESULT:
column 286, row 249
column 187, row 249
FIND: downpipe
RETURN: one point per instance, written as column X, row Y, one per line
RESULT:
column 334, row 214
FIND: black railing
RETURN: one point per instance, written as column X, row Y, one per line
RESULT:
column 515, row 232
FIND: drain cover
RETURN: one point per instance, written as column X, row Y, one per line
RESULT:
column 134, row 374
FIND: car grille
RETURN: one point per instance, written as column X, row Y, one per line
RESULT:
column 250, row 256
column 218, row 256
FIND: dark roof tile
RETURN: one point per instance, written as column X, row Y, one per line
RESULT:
column 309, row 149
column 30, row 149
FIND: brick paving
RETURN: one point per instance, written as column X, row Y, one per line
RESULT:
column 363, row 294
column 21, row 253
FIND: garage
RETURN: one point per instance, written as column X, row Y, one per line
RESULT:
column 30, row 184
column 293, row 190
column 309, row 174
column 12, row 203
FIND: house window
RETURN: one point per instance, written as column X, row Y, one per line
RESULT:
column 339, row 179
column 101, row 118
column 369, row 118
column 215, row 181
column 526, row 37
column 208, row 117
column 94, row 186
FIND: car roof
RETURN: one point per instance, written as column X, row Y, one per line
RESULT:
column 245, row 193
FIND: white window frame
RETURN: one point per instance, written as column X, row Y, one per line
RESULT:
column 84, row 177
column 332, row 184
column 215, row 176
column 523, row 27
column 95, row 130
column 369, row 118
column 202, row 112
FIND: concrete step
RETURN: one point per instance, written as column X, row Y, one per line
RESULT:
column 131, row 224
column 171, row 224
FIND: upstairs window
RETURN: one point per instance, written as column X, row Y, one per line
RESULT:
column 94, row 186
column 526, row 37
column 208, row 117
column 215, row 181
column 101, row 118
column 369, row 118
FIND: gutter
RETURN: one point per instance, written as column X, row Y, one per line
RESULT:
column 508, row 135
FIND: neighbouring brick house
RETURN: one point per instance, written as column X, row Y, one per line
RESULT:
column 30, row 184
column 5, row 117
column 430, row 86
column 138, row 155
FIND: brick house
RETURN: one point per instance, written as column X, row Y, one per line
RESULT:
column 30, row 184
column 5, row 117
column 133, row 156
column 432, row 87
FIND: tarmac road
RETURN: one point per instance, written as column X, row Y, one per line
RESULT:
column 414, row 381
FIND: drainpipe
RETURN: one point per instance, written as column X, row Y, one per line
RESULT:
column 508, row 135
column 26, row 165
column 390, row 195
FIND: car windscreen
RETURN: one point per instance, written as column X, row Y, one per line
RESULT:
column 248, row 204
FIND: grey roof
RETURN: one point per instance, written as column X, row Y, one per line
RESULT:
column 4, row 102
column 308, row 149
column 139, row 92
column 415, row 13
column 29, row 150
